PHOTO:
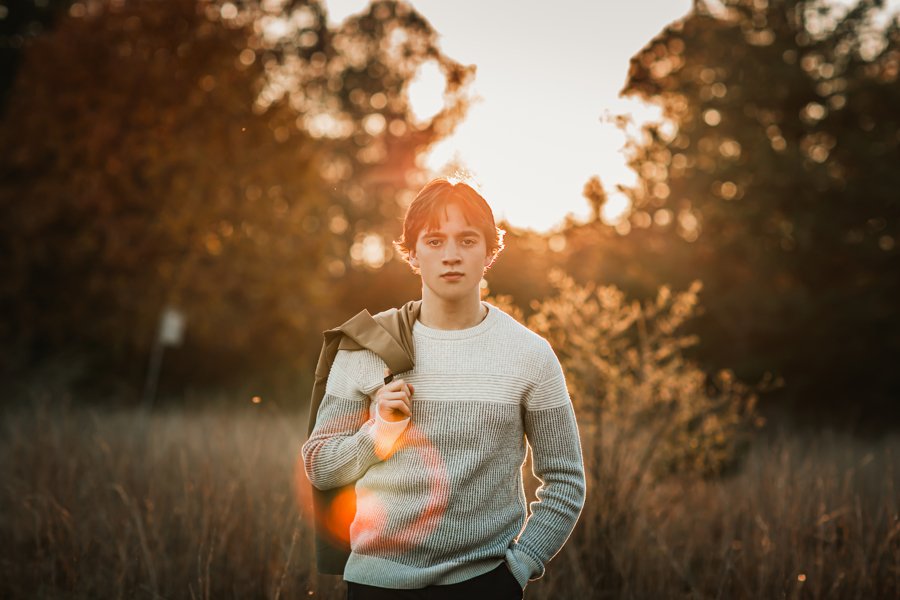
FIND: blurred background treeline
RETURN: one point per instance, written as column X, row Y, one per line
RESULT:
column 215, row 158
column 730, row 340
column 249, row 164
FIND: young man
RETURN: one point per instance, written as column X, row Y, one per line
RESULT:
column 436, row 454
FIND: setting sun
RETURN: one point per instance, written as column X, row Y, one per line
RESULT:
column 426, row 92
column 541, row 121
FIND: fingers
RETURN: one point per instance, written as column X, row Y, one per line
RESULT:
column 394, row 410
column 394, row 399
column 397, row 395
column 394, row 407
column 398, row 385
column 400, row 395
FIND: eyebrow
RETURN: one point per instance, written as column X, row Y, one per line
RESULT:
column 464, row 233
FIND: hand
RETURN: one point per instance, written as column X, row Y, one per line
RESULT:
column 394, row 400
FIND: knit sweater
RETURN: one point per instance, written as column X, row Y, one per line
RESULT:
column 439, row 495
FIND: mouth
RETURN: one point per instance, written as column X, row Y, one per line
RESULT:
column 452, row 276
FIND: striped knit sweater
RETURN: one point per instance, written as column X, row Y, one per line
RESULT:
column 440, row 496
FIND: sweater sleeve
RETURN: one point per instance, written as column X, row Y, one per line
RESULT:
column 552, row 433
column 347, row 439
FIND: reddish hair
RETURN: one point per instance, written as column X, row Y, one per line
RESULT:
column 430, row 204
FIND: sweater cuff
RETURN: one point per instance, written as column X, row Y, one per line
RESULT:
column 385, row 434
column 522, row 565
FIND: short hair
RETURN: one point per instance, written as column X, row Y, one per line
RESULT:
column 424, row 213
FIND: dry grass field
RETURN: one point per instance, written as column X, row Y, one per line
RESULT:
column 205, row 504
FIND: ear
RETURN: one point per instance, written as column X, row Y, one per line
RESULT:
column 412, row 259
column 488, row 259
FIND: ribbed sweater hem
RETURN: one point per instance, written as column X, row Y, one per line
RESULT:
column 371, row 570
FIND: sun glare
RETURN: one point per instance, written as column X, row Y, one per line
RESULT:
column 426, row 92
column 535, row 130
column 615, row 209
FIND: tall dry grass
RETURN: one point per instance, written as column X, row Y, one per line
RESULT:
column 812, row 515
column 203, row 504
column 174, row 504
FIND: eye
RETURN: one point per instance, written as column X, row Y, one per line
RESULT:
column 470, row 241
column 432, row 242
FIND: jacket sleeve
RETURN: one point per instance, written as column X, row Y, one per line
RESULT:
column 346, row 439
column 552, row 433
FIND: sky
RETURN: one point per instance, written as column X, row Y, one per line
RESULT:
column 547, row 82
column 547, row 74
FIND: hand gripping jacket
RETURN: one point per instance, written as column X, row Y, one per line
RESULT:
column 389, row 335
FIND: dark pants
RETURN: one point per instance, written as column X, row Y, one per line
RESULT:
column 498, row 584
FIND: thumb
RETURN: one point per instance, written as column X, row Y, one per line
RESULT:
column 412, row 389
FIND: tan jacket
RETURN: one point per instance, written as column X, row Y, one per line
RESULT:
column 389, row 335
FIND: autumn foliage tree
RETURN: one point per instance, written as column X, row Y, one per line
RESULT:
column 773, row 180
column 215, row 157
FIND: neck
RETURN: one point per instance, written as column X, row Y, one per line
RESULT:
column 439, row 313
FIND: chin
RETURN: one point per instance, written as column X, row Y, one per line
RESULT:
column 451, row 292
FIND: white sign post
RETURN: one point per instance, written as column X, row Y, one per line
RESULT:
column 170, row 333
column 171, row 327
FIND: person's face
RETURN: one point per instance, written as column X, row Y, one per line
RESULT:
column 456, row 247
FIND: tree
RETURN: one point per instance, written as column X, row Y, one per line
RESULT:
column 19, row 22
column 218, row 158
column 777, row 168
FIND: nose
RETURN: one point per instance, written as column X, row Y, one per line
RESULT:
column 451, row 253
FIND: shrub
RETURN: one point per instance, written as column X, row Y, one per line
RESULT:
column 625, row 367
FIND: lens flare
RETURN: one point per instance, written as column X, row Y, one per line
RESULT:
column 360, row 513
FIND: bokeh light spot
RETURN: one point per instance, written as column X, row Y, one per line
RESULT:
column 712, row 117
